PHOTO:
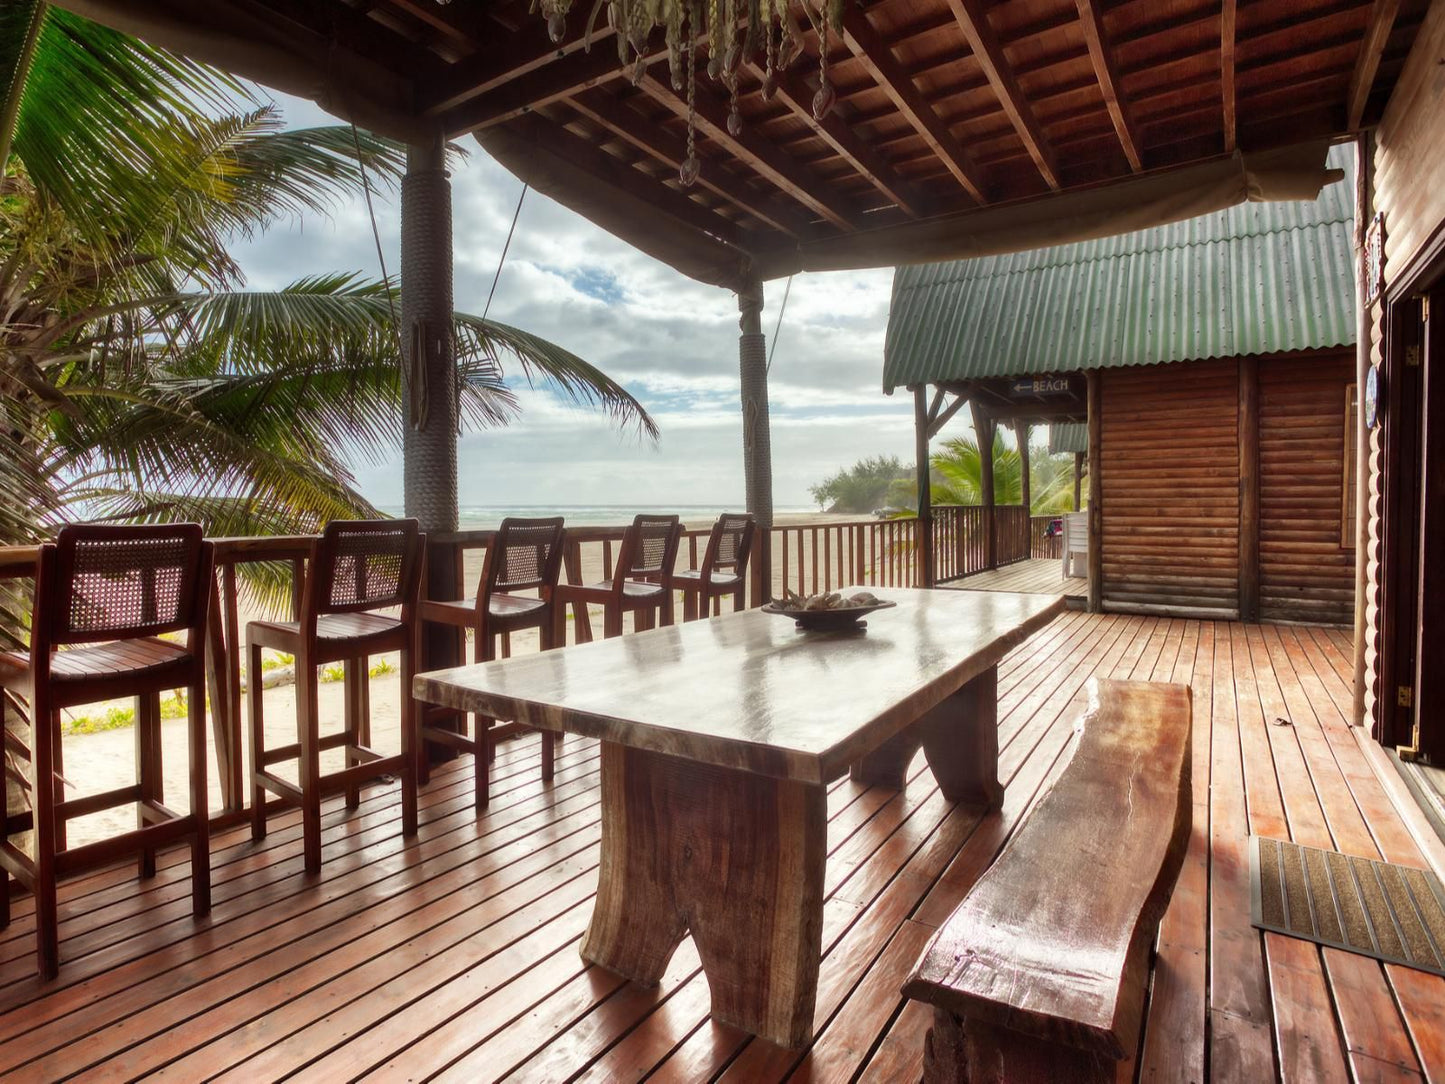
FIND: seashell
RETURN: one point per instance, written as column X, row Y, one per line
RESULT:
column 689, row 171
column 714, row 67
column 556, row 26
column 735, row 123
column 824, row 100
column 770, row 87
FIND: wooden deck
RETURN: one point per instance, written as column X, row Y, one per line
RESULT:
column 456, row 956
column 1035, row 576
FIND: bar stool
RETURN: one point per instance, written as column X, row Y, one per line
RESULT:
column 525, row 555
column 357, row 568
column 641, row 585
column 724, row 568
column 103, row 597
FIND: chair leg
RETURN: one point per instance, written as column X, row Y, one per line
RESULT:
column 148, row 767
column 308, row 734
column 200, row 802
column 689, row 605
column 665, row 616
column 255, row 694
column 642, row 620
column 45, row 727
column 353, row 674
column 612, row 621
column 559, row 622
column 409, row 744
column 485, row 651
column 57, row 770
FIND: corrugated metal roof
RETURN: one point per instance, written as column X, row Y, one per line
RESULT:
column 1258, row 278
column 1068, row 437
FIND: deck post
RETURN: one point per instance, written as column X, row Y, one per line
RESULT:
column 757, row 438
column 983, row 430
column 1021, row 434
column 428, row 387
column 1096, row 494
column 1364, row 347
column 1078, row 479
column 927, row 570
column 1248, row 489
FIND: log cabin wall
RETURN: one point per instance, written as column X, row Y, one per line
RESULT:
column 1306, row 572
column 1170, row 468
column 1409, row 193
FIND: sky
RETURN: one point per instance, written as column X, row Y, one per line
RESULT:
column 670, row 340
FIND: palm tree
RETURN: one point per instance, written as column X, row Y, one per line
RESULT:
column 956, row 477
column 141, row 380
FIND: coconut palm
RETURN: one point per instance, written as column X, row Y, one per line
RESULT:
column 141, row 380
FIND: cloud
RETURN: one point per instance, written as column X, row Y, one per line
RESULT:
column 670, row 340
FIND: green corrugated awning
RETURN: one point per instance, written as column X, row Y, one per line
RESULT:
column 1068, row 437
column 1259, row 278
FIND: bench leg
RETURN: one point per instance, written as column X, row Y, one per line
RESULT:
column 963, row 1051
column 735, row 857
column 960, row 739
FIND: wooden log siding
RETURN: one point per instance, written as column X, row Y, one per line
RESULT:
column 1169, row 469
column 1305, row 574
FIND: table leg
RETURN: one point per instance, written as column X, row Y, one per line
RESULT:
column 960, row 739
column 734, row 857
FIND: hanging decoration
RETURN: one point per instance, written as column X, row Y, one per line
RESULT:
column 733, row 32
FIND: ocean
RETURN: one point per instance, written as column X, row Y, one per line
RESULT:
column 486, row 517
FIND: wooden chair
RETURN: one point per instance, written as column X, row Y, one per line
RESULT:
column 526, row 555
column 1076, row 543
column 358, row 567
column 641, row 583
column 105, row 595
column 724, row 568
column 1043, row 969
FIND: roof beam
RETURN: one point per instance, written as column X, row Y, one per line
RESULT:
column 1108, row 75
column 878, row 60
column 542, row 86
column 1226, row 71
column 1382, row 21
column 760, row 154
column 989, row 53
column 505, row 56
column 628, row 125
column 795, row 93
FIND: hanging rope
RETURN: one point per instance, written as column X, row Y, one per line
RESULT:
column 515, row 215
column 779, row 323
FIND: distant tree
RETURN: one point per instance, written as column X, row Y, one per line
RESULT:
column 863, row 487
column 956, row 477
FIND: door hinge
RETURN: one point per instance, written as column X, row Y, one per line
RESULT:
column 1404, row 696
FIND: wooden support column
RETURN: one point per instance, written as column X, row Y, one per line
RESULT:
column 1078, row 480
column 1364, row 201
column 926, row 571
column 1096, row 494
column 983, row 430
column 1249, row 489
column 429, row 387
column 1021, row 434
column 757, row 438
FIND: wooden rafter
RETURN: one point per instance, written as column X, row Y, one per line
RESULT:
column 1226, row 71
column 1107, row 73
column 541, row 86
column 505, row 56
column 794, row 92
column 602, row 109
column 1382, row 20
column 987, row 50
column 878, row 60
column 759, row 154
column 936, row 423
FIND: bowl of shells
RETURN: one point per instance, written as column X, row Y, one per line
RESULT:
column 828, row 609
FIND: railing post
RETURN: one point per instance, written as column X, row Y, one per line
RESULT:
column 926, row 571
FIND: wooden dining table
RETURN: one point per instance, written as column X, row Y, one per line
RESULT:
column 718, row 741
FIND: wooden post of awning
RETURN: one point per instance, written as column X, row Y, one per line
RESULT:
column 983, row 430
column 757, row 437
column 926, row 570
column 428, row 386
column 1078, row 479
column 1021, row 434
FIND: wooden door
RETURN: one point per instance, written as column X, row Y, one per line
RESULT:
column 1430, row 597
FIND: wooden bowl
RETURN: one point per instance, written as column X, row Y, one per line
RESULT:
column 842, row 617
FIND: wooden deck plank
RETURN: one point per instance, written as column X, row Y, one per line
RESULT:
column 455, row 956
column 1034, row 576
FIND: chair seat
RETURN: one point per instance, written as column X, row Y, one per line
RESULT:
column 507, row 610
column 145, row 658
column 631, row 589
column 331, row 630
column 691, row 579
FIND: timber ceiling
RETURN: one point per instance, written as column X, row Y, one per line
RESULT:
column 943, row 105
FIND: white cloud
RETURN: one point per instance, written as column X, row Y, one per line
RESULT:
column 670, row 340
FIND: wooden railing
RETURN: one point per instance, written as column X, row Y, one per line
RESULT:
column 806, row 558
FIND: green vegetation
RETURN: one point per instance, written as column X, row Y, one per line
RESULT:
column 141, row 381
column 862, row 488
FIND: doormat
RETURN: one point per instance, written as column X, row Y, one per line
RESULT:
column 1391, row 912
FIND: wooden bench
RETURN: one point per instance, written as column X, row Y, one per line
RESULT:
column 1040, row 973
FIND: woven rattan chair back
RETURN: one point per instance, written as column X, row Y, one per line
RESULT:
column 526, row 554
column 649, row 548
column 123, row 582
column 729, row 544
column 364, row 564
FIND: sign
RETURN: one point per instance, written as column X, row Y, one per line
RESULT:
column 1373, row 264
column 1041, row 386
